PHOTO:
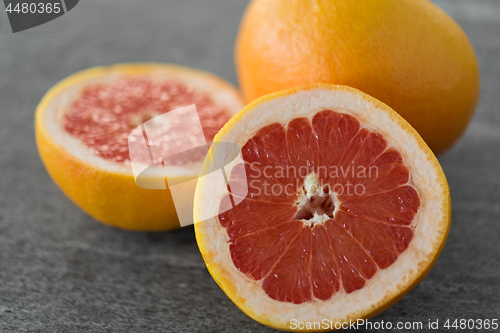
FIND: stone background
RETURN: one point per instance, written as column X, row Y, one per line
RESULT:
column 60, row 271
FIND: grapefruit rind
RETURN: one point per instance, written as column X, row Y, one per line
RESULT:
column 104, row 189
column 431, row 224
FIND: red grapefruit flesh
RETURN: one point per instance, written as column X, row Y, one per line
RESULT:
column 368, row 232
column 104, row 115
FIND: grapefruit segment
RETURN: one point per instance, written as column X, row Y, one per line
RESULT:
column 397, row 206
column 267, row 215
column 355, row 264
column 265, row 154
column 325, row 268
column 364, row 148
column 257, row 253
column 383, row 242
column 258, row 176
column 290, row 278
column 383, row 174
column 302, row 146
column 324, row 249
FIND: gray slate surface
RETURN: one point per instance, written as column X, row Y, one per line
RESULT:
column 60, row 271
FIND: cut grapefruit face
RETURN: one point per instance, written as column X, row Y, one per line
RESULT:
column 347, row 209
column 84, row 125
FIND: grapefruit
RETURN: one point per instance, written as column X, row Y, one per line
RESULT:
column 82, row 127
column 346, row 208
column 407, row 53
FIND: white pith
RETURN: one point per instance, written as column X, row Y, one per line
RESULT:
column 221, row 93
column 309, row 190
column 430, row 224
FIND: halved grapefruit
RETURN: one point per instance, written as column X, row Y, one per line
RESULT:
column 82, row 126
column 347, row 209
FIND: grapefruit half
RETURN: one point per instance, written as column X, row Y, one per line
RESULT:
column 82, row 126
column 347, row 209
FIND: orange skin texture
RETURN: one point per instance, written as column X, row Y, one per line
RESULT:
column 112, row 198
column 407, row 53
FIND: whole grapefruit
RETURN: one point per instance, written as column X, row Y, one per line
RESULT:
column 407, row 53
